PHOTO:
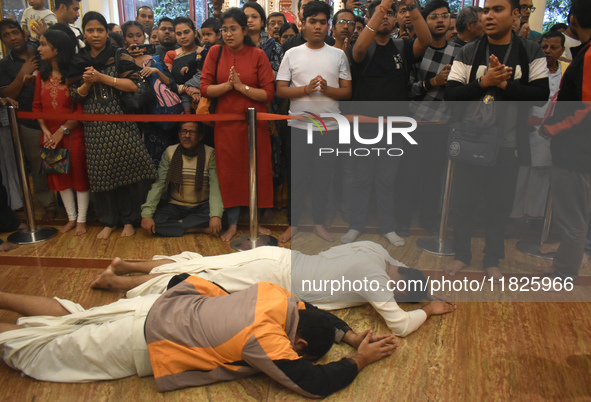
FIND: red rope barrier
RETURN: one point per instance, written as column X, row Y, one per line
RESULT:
column 176, row 117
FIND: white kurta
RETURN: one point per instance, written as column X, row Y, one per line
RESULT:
column 356, row 262
column 102, row 343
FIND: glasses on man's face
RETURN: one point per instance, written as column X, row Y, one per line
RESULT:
column 436, row 16
column 192, row 133
column 525, row 7
column 347, row 22
column 233, row 29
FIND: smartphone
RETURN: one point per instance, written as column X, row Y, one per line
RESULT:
column 147, row 48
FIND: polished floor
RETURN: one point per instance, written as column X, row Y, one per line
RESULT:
column 484, row 351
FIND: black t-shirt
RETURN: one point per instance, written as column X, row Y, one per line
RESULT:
column 10, row 66
column 385, row 79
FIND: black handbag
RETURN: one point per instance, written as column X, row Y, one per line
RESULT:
column 143, row 101
column 472, row 144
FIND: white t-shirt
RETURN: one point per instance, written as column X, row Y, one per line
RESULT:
column 30, row 15
column 300, row 65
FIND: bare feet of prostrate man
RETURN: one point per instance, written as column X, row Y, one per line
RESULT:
column 453, row 267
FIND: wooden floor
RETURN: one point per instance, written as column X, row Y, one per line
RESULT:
column 483, row 351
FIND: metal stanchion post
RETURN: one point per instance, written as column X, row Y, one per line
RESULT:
column 440, row 245
column 531, row 247
column 32, row 234
column 252, row 240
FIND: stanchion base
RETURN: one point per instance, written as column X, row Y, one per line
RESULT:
column 533, row 248
column 243, row 243
column 433, row 246
column 26, row 237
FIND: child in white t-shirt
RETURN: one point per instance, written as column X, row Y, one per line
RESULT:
column 36, row 15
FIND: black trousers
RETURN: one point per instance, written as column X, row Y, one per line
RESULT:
column 8, row 220
column 420, row 177
column 121, row 205
column 310, row 172
column 497, row 185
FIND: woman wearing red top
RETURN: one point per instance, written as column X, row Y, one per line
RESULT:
column 244, row 80
column 52, row 95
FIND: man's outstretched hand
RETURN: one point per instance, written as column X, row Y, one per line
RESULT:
column 371, row 351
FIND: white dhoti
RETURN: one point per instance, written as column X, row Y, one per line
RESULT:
column 234, row 272
column 102, row 343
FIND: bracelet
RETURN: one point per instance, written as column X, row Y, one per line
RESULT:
column 424, row 86
column 371, row 29
column 114, row 81
column 181, row 89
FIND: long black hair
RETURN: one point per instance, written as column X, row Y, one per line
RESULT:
column 65, row 52
column 238, row 15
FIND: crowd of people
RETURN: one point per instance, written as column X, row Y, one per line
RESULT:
column 424, row 58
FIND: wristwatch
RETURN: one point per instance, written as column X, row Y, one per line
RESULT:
column 246, row 88
column 411, row 7
column 65, row 129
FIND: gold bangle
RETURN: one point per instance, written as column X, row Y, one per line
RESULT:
column 114, row 81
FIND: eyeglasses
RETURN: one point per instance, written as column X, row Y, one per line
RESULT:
column 233, row 29
column 348, row 22
column 525, row 7
column 192, row 133
column 436, row 16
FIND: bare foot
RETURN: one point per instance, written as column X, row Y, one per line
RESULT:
column 585, row 261
column 495, row 273
column 103, row 281
column 7, row 246
column 68, row 226
column 544, row 269
column 321, row 232
column 264, row 231
column 80, row 228
column 288, row 234
column 106, row 232
column 128, row 230
column 548, row 248
column 230, row 233
column 453, row 267
column 108, row 280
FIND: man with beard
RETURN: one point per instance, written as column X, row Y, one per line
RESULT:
column 166, row 37
column 187, row 174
